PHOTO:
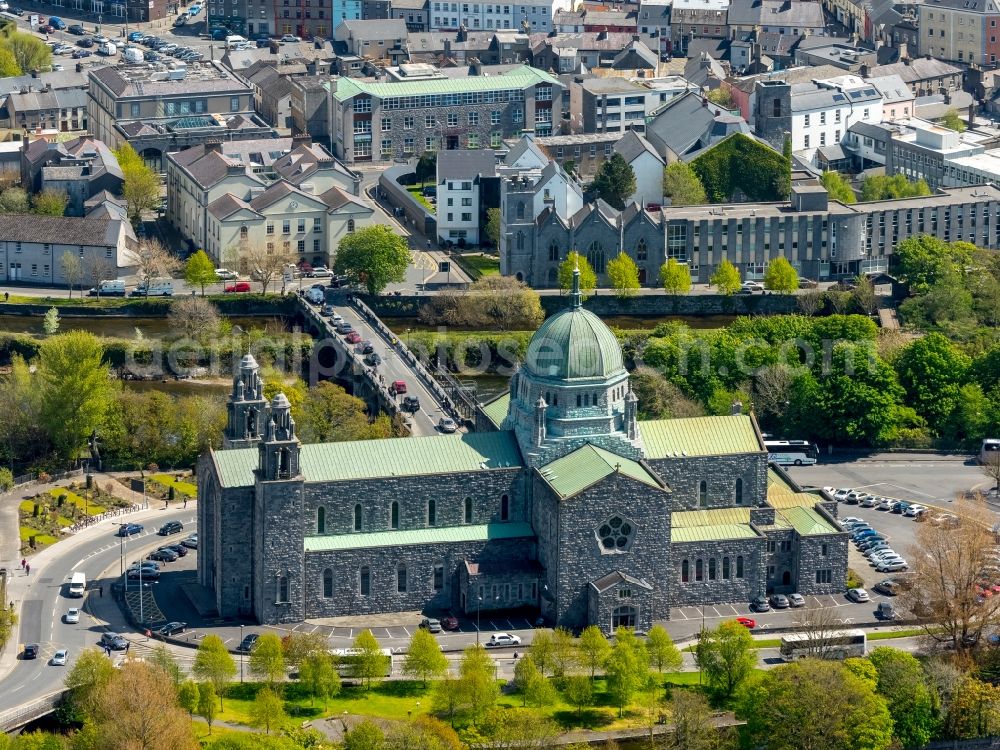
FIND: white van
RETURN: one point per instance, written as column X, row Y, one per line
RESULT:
column 114, row 288
column 133, row 56
column 233, row 40
column 316, row 296
column 77, row 584
column 156, row 289
column 107, row 48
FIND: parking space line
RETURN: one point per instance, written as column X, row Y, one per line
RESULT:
column 510, row 625
column 407, row 631
column 528, row 625
column 493, row 625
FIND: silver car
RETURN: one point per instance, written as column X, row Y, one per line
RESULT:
column 796, row 600
column 59, row 658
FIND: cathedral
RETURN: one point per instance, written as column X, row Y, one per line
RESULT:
column 562, row 502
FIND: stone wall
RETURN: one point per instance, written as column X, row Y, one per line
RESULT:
column 601, row 605
column 684, row 475
column 811, row 559
column 278, row 551
column 720, row 590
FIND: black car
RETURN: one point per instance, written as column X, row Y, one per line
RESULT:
column 129, row 529
column 170, row 527
column 77, row 30
column 366, row 347
column 411, row 404
column 80, row 54
column 164, row 554
column 373, row 360
column 248, row 642
column 16, row 11
column 171, row 628
column 85, row 42
column 179, row 549
column 30, row 651
column 114, row 641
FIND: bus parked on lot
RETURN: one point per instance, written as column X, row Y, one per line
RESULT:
column 831, row 644
column 791, row 452
column 989, row 451
column 347, row 659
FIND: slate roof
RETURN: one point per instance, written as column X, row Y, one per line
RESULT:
column 525, row 145
column 413, row 537
column 893, row 88
column 586, row 466
column 700, row 436
column 336, row 197
column 465, row 165
column 59, row 230
column 389, row 457
column 226, row 205
column 207, row 167
column 617, row 578
column 682, row 122
column 638, row 49
column 632, row 145
column 918, row 69
column 384, row 29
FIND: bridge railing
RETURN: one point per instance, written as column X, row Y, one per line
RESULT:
column 28, row 712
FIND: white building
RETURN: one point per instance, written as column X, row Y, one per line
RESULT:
column 823, row 110
column 647, row 165
column 460, row 176
column 477, row 16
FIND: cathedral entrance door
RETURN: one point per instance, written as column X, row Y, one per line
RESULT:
column 623, row 617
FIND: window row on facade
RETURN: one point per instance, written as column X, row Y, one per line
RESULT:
column 713, row 570
column 430, row 514
column 362, row 580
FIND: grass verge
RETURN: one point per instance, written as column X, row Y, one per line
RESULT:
column 418, row 195
column 477, row 265
column 180, row 486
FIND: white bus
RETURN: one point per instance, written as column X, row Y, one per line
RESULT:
column 990, row 451
column 791, row 452
column 347, row 658
column 832, row 644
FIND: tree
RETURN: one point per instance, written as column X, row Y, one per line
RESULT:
column 194, row 318
column 199, row 270
column 726, row 278
column 50, row 202
column 266, row 265
column 594, row 649
column 207, row 708
column 535, row 689
column 14, row 200
column 50, row 323
column 838, row 188
column 726, row 655
column 663, row 654
column 89, row 675
column 991, row 469
column 71, row 268
column 492, row 228
column 267, row 710
column 974, row 710
column 830, row 707
column 780, row 276
column 542, row 651
column 74, row 389
column 823, row 629
column 693, row 724
column 882, row 187
column 187, row 696
column 424, row 658
column 267, row 660
column 154, row 260
column 164, row 660
column 615, row 181
column 369, row 664
column 579, row 691
column 952, row 121
column 863, row 295
column 318, row 673
column 932, row 371
column 811, row 302
column 96, row 267
column 723, row 96
column 514, row 729
column 364, row 736
column 8, row 615
column 213, row 663
column 138, row 710
column 924, row 260
column 623, row 274
column 426, row 167
column 374, row 256
column 675, row 277
column 902, row 683
column 448, row 696
column 330, row 414
column 477, row 678
column 8, row 64
column 682, row 186
column 588, row 279
column 29, row 52
column 299, row 646
column 499, row 303
column 659, row 398
column 627, row 670
column 141, row 186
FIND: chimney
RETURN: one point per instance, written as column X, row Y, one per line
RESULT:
column 737, row 408
column 34, row 73
column 302, row 139
column 906, row 61
column 903, row 50
column 864, row 71
column 475, row 67
column 213, row 146
column 602, row 36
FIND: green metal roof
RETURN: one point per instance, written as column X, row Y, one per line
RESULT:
column 781, row 494
column 410, row 537
column 711, row 532
column 808, row 521
column 585, row 466
column 700, row 436
column 574, row 343
column 496, row 410
column 513, row 79
column 713, row 517
column 390, row 457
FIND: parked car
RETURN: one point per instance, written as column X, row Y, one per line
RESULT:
column 747, row 622
column 238, row 287
column 166, row 555
column 888, row 587
column 291, row 38
column 779, row 601
column 431, row 625
column 807, row 283
column 398, row 386
column 248, row 642
column 353, row 337
column 135, row 36
column 914, row 510
column 884, row 503
column 81, row 54
column 499, row 640
column 868, row 501
column 191, row 541
column 178, row 549
column 752, row 286
column 142, row 574
column 113, row 641
column 344, row 328
column 72, row 616
column 411, row 404
column 327, row 311
column 886, row 611
column 366, row 347
column 449, row 622
column 858, row 595
column 796, row 600
column 373, row 360
column 760, row 604
column 892, row 566
column 129, row 529
column 171, row 628
column 170, row 527
column 320, row 272
column 447, row 425
column 77, row 30
column 59, row 658
column 224, row 274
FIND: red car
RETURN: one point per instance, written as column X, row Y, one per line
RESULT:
column 239, row 286
column 398, row 386
column 747, row 622
column 353, row 337
column 450, row 622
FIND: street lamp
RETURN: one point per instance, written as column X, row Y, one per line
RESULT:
column 479, row 607
column 241, row 653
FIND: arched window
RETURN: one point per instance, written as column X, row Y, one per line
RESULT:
column 699, row 573
column 520, row 209
column 739, row 491
column 283, row 588
column 739, row 566
column 328, row 583
column 685, row 571
column 394, row 515
column 431, row 512
column 357, row 517
column 711, row 569
column 554, row 252
column 468, row 510
column 520, row 241
column 703, row 494
column 555, row 399
column 364, row 581
column 578, row 397
column 504, row 508
column 725, row 568
column 244, row 233
column 401, row 579
column 641, row 251
column 350, row 226
column 321, row 520
column 595, row 256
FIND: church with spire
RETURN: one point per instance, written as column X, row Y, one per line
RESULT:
column 561, row 504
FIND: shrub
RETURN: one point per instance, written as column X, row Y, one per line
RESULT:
column 6, row 479
column 741, row 165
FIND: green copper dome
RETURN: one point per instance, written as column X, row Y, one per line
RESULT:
column 574, row 343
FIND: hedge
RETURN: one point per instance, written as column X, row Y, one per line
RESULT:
column 740, row 168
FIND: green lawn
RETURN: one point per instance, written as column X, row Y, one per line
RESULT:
column 41, row 540
column 417, row 191
column 479, row 264
column 72, row 498
column 180, row 487
column 885, row 635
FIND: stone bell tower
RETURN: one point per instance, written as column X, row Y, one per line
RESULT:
column 246, row 407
